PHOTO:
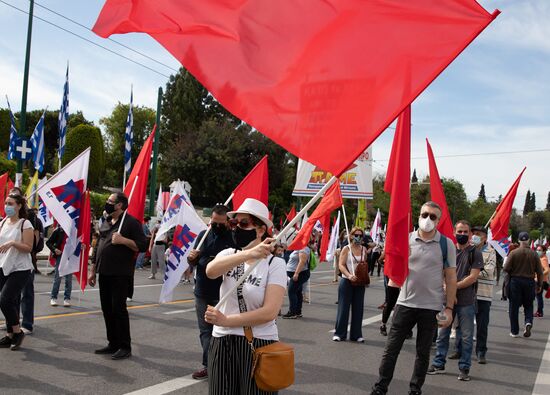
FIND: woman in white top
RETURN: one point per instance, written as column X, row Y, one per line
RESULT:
column 348, row 294
column 16, row 239
column 255, row 304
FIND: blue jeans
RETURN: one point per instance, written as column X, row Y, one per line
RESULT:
column 295, row 295
column 139, row 260
column 57, row 282
column 540, row 303
column 465, row 316
column 354, row 297
column 522, row 293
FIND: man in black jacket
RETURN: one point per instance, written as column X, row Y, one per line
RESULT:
column 114, row 261
column 207, row 291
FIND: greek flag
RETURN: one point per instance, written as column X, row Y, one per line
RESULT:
column 129, row 137
column 13, row 134
column 63, row 117
column 37, row 142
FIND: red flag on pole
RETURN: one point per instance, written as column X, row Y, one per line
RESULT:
column 136, row 206
column 10, row 184
column 255, row 185
column 438, row 196
column 501, row 218
column 325, row 222
column 314, row 79
column 3, row 192
column 84, row 230
column 331, row 201
column 396, row 265
column 291, row 214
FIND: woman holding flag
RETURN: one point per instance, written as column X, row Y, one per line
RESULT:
column 16, row 242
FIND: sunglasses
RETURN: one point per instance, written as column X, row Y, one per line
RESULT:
column 243, row 223
column 358, row 235
column 433, row 217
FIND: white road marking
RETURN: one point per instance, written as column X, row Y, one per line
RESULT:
column 97, row 289
column 542, row 382
column 179, row 311
column 322, row 271
column 166, row 387
column 365, row 322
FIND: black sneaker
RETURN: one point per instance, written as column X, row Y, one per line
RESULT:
column 5, row 342
column 527, row 332
column 482, row 360
column 290, row 316
column 16, row 340
column 464, row 375
column 413, row 392
column 105, row 350
column 123, row 353
column 383, row 330
column 454, row 355
column 299, row 315
column 436, row 370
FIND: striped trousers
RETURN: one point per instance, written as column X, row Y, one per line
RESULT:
column 230, row 366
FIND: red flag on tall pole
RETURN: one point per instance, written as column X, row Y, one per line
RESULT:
column 325, row 222
column 291, row 214
column 331, row 201
column 501, row 217
column 3, row 192
column 84, row 230
column 136, row 206
column 314, row 79
column 438, row 196
column 255, row 185
column 396, row 265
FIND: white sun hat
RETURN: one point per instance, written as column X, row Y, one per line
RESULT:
column 253, row 207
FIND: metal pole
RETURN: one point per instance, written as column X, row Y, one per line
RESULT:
column 23, row 115
column 155, row 157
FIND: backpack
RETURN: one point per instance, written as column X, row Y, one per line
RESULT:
column 38, row 245
column 443, row 245
column 313, row 261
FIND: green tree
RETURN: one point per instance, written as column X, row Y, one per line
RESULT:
column 457, row 200
column 527, row 205
column 481, row 195
column 414, row 178
column 548, row 202
column 533, row 204
column 115, row 129
column 80, row 138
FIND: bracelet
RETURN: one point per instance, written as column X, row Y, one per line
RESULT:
column 447, row 307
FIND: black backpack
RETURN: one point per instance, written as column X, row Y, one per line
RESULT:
column 38, row 244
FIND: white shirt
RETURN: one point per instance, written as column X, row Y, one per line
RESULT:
column 354, row 262
column 253, row 292
column 14, row 260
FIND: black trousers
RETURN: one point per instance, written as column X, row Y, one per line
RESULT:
column 404, row 319
column 10, row 293
column 392, row 296
column 113, row 291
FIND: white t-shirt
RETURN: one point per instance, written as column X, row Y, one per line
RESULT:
column 253, row 292
column 358, row 258
column 14, row 260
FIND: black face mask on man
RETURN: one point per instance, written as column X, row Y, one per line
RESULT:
column 462, row 239
column 109, row 208
column 244, row 237
column 218, row 228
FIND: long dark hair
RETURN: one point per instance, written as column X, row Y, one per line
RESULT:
column 22, row 201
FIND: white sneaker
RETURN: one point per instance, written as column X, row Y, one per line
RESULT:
column 453, row 333
column 512, row 335
column 151, row 277
column 67, row 303
column 53, row 302
column 26, row 331
column 360, row 340
column 336, row 338
column 128, row 299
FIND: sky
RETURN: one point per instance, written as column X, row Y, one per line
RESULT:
column 486, row 116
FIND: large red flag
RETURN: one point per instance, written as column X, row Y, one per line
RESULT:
column 396, row 265
column 254, row 185
column 438, row 196
column 331, row 201
column 136, row 205
column 84, row 229
column 3, row 192
column 300, row 70
column 501, row 220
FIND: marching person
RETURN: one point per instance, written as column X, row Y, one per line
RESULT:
column 157, row 249
column 54, row 243
column 254, row 305
column 297, row 270
column 16, row 243
column 114, row 261
column 349, row 295
column 541, row 252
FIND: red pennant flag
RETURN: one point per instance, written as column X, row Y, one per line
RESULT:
column 314, row 79
column 255, row 185
column 325, row 222
column 3, row 192
column 331, row 201
column 396, row 266
column 291, row 214
column 84, row 229
column 281, row 223
column 136, row 205
column 438, row 196
column 10, row 184
column 501, row 219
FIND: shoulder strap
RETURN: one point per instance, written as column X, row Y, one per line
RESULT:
column 2, row 223
column 444, row 250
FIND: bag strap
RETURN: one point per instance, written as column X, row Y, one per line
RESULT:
column 444, row 249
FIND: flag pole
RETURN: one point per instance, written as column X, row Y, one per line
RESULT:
column 490, row 219
column 349, row 240
column 129, row 199
column 201, row 242
column 294, row 220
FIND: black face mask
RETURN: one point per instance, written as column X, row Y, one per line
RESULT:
column 462, row 239
column 244, row 237
column 109, row 208
column 218, row 228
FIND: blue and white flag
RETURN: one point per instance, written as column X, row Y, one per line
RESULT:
column 13, row 134
column 500, row 246
column 63, row 119
column 37, row 143
column 129, row 136
column 178, row 200
column 23, row 149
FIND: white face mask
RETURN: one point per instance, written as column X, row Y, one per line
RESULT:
column 426, row 224
column 476, row 240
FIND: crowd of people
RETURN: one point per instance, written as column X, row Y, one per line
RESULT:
column 446, row 295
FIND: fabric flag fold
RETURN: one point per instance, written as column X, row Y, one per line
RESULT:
column 129, row 136
column 325, row 238
column 188, row 226
column 178, row 201
column 30, row 194
column 3, row 191
column 37, row 144
column 438, row 196
column 255, row 185
column 63, row 118
column 333, row 242
column 331, row 201
column 160, row 203
column 84, row 229
column 13, row 133
column 136, row 207
column 376, row 228
column 396, row 265
column 43, row 213
column 314, row 79
column 63, row 196
column 501, row 246
column 501, row 219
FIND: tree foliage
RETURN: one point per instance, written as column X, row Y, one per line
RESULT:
column 481, row 195
column 80, row 138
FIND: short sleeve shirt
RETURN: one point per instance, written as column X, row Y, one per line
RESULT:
column 464, row 265
column 423, row 287
column 254, row 288
column 14, row 260
column 294, row 259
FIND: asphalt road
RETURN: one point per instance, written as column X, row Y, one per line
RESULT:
column 58, row 358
